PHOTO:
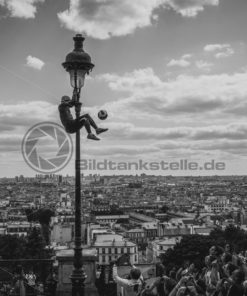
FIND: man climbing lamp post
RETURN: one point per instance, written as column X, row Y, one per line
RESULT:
column 78, row 64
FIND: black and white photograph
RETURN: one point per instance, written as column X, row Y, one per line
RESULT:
column 123, row 148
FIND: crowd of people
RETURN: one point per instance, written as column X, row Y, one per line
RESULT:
column 27, row 284
column 224, row 274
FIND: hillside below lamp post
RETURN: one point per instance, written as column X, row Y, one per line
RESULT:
column 78, row 64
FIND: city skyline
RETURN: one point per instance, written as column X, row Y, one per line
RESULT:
column 172, row 76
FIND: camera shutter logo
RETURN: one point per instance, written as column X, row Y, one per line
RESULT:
column 46, row 147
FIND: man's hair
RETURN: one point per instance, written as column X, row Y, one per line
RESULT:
column 135, row 273
column 65, row 99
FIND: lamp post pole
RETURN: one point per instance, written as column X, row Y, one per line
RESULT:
column 78, row 276
column 78, row 64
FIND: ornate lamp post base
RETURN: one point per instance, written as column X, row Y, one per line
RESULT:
column 72, row 281
column 77, row 278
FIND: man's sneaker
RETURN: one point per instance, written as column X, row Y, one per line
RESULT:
column 92, row 137
column 101, row 130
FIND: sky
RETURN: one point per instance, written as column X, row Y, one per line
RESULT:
column 172, row 75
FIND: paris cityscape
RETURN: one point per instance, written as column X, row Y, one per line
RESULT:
column 139, row 215
column 123, row 148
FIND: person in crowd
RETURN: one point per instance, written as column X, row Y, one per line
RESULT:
column 190, row 270
column 159, row 284
column 51, row 283
column 40, row 289
column 237, row 287
column 182, row 270
column 19, row 283
column 226, row 258
column 228, row 249
column 131, row 286
column 229, row 269
column 213, row 255
column 170, row 283
column 160, row 269
column 212, row 277
column 221, row 275
column 165, row 284
column 185, row 287
column 31, row 282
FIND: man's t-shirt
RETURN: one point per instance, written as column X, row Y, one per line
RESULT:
column 129, row 287
column 66, row 117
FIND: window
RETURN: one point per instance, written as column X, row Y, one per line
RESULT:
column 128, row 250
column 103, row 250
column 122, row 250
column 103, row 259
column 135, row 258
column 116, row 251
column 109, row 259
column 109, row 250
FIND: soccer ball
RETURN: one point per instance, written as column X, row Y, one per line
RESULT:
column 102, row 114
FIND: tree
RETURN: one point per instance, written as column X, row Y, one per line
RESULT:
column 195, row 247
column 30, row 247
column 35, row 245
column 191, row 248
column 12, row 247
column 233, row 235
column 43, row 216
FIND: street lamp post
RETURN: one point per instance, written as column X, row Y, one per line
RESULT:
column 78, row 64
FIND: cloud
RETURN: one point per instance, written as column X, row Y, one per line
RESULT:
column 185, row 61
column 190, row 8
column 138, row 79
column 203, row 65
column 187, row 56
column 103, row 19
column 192, row 116
column 232, row 147
column 126, row 150
column 227, row 53
column 237, row 131
column 10, row 143
column 26, row 114
column 16, row 119
column 163, row 150
column 182, row 62
column 21, row 8
column 214, row 95
column 220, row 50
column 35, row 63
column 200, row 149
column 128, row 131
column 215, row 47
